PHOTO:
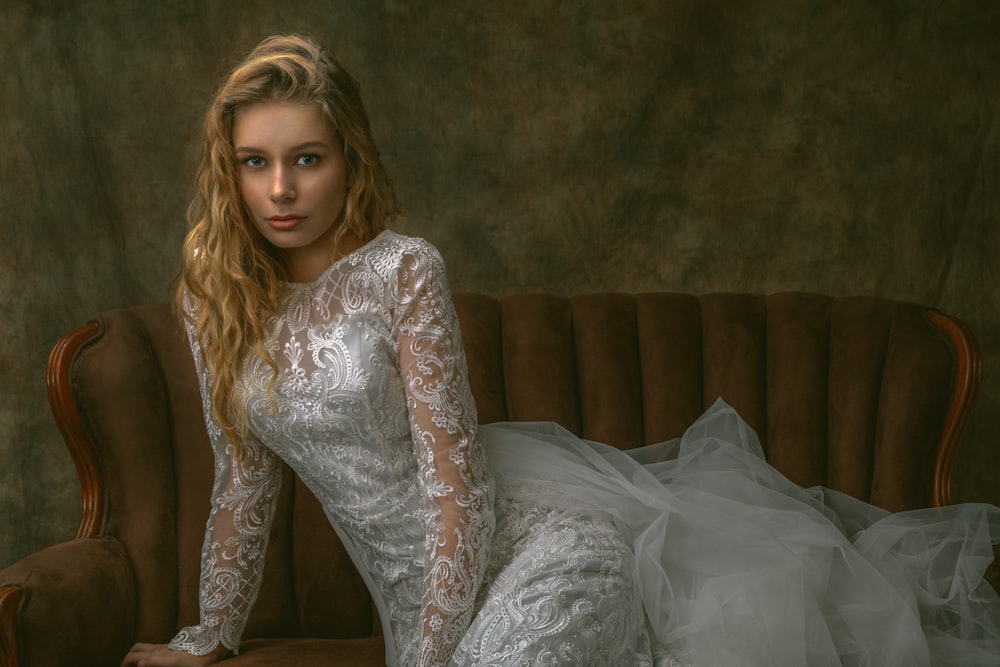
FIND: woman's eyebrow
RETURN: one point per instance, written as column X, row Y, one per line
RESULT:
column 294, row 149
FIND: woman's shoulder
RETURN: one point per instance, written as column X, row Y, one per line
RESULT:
column 404, row 245
column 399, row 250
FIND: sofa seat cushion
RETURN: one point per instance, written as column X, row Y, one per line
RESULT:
column 360, row 652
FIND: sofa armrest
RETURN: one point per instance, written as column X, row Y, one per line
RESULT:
column 10, row 598
column 69, row 604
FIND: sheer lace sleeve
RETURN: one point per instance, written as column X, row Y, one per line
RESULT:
column 232, row 558
column 453, row 472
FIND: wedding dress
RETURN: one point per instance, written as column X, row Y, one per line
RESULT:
column 519, row 544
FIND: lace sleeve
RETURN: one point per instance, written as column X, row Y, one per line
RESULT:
column 244, row 497
column 452, row 463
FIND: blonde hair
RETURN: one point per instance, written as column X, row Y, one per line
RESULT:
column 233, row 271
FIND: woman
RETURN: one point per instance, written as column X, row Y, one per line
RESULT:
column 323, row 339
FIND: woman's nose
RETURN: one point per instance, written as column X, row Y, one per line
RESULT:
column 282, row 185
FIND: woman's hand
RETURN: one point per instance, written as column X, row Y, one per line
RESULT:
column 158, row 655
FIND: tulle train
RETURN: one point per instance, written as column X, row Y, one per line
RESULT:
column 739, row 566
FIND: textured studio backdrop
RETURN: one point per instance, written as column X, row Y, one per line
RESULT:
column 688, row 145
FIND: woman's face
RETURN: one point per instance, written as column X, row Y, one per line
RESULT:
column 294, row 178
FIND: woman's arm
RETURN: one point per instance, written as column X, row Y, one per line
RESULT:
column 244, row 497
column 453, row 470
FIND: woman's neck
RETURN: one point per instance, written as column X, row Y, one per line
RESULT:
column 308, row 267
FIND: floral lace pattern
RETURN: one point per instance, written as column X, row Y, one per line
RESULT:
column 560, row 590
column 373, row 411
column 232, row 558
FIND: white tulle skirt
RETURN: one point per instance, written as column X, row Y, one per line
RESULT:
column 739, row 566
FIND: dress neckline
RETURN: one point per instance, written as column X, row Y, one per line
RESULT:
column 337, row 262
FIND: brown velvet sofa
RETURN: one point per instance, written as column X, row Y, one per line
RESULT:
column 864, row 395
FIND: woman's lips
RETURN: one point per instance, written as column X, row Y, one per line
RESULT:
column 284, row 223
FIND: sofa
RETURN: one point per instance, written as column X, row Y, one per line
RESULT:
column 864, row 395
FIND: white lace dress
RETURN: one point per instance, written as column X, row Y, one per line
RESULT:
column 560, row 551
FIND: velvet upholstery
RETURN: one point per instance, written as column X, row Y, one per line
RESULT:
column 864, row 395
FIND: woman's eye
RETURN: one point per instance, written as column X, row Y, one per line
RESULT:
column 308, row 160
column 254, row 161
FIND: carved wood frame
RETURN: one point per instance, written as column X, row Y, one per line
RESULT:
column 967, row 371
column 60, row 385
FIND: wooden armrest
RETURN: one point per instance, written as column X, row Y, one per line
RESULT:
column 968, row 368
column 59, row 381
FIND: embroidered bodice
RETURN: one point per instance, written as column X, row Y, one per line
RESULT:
column 372, row 409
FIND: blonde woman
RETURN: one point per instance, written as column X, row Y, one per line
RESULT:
column 326, row 340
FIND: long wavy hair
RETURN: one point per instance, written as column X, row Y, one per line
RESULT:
column 235, row 274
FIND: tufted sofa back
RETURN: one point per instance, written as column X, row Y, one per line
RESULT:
column 851, row 393
column 867, row 396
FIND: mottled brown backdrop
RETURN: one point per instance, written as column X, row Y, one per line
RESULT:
column 846, row 148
